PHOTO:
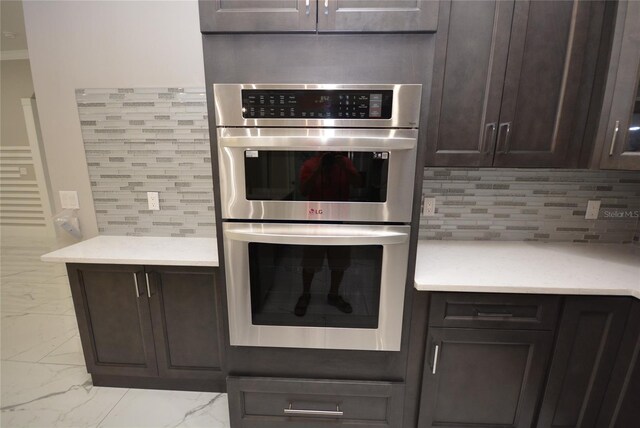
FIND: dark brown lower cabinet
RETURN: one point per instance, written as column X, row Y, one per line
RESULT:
column 482, row 378
column 589, row 336
column 256, row 402
column 139, row 325
column 113, row 318
column 185, row 319
column 621, row 406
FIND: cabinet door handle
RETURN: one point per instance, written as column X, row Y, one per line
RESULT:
column 613, row 139
column 146, row 275
column 435, row 360
column 308, row 4
column 507, row 134
column 135, row 281
column 326, row 7
column 305, row 412
column 485, row 143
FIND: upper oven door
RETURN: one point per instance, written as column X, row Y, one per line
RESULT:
column 318, row 105
column 317, row 174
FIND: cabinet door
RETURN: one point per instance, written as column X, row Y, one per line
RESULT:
column 620, row 407
column 622, row 138
column 186, row 322
column 113, row 319
column 542, row 82
column 471, row 56
column 588, row 339
column 376, row 16
column 481, row 378
column 257, row 16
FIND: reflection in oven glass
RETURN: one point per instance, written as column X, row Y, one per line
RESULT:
column 315, row 285
column 316, row 176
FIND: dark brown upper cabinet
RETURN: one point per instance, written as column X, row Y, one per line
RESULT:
column 345, row 16
column 507, row 83
column 618, row 137
column 257, row 16
column 377, row 16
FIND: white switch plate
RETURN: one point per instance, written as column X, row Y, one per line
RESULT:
column 69, row 199
column 593, row 208
column 154, row 201
column 429, row 207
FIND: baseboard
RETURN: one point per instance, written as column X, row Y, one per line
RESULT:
column 202, row 385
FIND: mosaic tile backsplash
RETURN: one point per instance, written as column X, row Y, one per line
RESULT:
column 156, row 139
column 530, row 204
column 148, row 140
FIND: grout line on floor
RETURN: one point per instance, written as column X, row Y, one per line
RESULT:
column 114, row 406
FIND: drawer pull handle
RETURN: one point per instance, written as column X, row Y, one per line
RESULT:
column 494, row 314
column 304, row 412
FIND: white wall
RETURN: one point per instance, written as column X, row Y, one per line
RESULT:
column 102, row 44
column 15, row 81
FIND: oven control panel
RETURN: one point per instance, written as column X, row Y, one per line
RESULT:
column 316, row 104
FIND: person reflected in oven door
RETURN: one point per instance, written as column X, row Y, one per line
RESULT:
column 328, row 176
column 338, row 259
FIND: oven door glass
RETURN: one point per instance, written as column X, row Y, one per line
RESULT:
column 315, row 285
column 336, row 176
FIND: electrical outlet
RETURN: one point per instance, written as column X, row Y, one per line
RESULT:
column 593, row 209
column 154, row 201
column 23, row 171
column 429, row 207
column 69, row 199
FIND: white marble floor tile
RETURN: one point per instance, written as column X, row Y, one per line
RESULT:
column 51, row 395
column 44, row 382
column 70, row 352
column 154, row 408
column 35, row 298
column 33, row 336
column 63, row 306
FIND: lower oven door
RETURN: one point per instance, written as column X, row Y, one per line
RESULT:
column 316, row 285
column 316, row 174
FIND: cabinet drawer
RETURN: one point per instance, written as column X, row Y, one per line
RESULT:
column 309, row 403
column 504, row 311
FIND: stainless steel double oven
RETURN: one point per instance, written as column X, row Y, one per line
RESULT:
column 316, row 185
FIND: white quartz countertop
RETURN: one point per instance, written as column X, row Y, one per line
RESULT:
column 528, row 267
column 139, row 250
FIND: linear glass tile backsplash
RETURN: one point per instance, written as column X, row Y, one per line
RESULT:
column 140, row 140
column 530, row 204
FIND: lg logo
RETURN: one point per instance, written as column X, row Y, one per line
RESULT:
column 315, row 211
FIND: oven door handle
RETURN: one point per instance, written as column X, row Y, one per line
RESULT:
column 315, row 143
column 344, row 238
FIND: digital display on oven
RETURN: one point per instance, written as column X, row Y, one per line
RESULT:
column 316, row 104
